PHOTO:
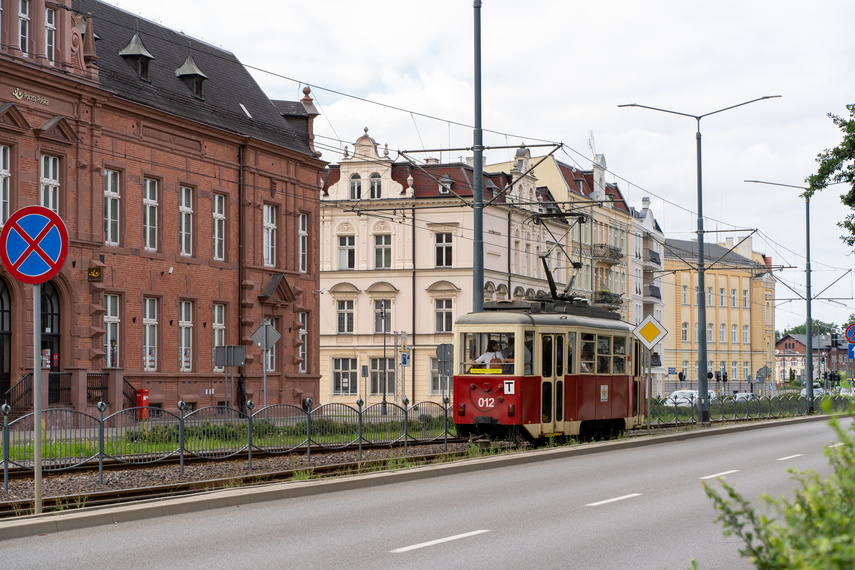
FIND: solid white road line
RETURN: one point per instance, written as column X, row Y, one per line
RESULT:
column 597, row 504
column 789, row 457
column 835, row 444
column 722, row 474
column 438, row 541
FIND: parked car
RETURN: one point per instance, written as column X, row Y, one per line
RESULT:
column 745, row 397
column 848, row 392
column 817, row 391
column 685, row 398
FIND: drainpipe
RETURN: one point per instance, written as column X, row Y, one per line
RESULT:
column 241, row 150
column 413, row 308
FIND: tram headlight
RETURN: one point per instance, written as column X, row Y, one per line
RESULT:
column 461, row 409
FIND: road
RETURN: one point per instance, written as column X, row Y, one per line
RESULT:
column 642, row 507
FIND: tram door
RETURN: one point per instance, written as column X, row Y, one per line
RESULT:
column 552, row 354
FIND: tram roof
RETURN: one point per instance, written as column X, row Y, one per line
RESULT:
column 519, row 317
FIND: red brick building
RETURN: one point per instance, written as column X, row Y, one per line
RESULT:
column 191, row 202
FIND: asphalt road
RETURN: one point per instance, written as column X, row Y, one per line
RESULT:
column 641, row 507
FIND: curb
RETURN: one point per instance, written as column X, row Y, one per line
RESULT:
column 31, row 525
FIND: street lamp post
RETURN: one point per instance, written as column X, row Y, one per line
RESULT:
column 703, row 392
column 808, row 320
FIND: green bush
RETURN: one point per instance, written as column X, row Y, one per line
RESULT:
column 814, row 529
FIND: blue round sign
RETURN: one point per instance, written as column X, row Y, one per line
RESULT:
column 33, row 244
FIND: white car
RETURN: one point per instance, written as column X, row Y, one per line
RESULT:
column 745, row 397
column 817, row 391
column 686, row 398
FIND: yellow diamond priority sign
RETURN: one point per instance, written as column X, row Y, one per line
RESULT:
column 649, row 332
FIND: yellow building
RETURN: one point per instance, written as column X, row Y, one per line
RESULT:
column 740, row 318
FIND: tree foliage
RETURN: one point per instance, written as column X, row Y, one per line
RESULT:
column 817, row 327
column 837, row 165
column 814, row 529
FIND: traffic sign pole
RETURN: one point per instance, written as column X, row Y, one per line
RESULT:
column 33, row 246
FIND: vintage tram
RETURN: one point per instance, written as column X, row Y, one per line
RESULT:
column 566, row 369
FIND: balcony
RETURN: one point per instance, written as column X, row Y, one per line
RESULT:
column 652, row 258
column 652, row 291
column 605, row 253
column 608, row 300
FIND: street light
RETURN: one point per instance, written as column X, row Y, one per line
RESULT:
column 808, row 321
column 703, row 392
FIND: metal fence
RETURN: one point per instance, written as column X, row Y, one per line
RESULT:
column 136, row 436
column 683, row 410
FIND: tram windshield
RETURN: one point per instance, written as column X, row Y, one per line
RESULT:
column 487, row 353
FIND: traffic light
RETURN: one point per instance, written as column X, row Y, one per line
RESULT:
column 709, row 375
column 834, row 340
column 718, row 376
column 681, row 376
column 825, row 375
column 724, row 377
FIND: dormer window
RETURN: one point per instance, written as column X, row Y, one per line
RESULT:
column 137, row 56
column 192, row 76
column 355, row 187
column 445, row 184
column 375, row 186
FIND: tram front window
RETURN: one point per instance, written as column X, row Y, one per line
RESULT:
column 486, row 352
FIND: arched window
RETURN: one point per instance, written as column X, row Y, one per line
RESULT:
column 375, row 186
column 50, row 327
column 355, row 187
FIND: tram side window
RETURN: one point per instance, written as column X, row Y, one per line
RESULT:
column 559, row 352
column 619, row 359
column 588, row 352
column 604, row 354
column 546, row 356
column 571, row 347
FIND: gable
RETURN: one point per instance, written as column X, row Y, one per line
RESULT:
column 11, row 118
column 58, row 129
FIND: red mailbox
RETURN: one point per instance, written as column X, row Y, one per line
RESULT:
column 142, row 404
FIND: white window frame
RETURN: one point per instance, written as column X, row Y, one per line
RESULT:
column 382, row 313
column 375, row 377
column 269, row 235
column 685, row 292
column 444, row 315
column 149, row 322
column 355, row 187
column 5, row 182
column 50, row 182
column 444, row 243
column 721, row 297
column 24, row 26
column 745, row 298
column 684, row 332
column 344, row 316
column 733, row 298
column 734, row 334
column 383, row 251
column 185, row 221
column 50, row 35
column 345, row 377
column 112, row 206
column 709, row 297
column 112, row 325
column 709, row 332
column 303, row 335
column 746, row 369
column 347, row 252
column 303, row 242
column 149, row 221
column 218, row 231
column 746, row 334
column 734, row 370
column 218, row 329
column 185, row 336
column 270, row 354
column 722, row 333
column 376, row 187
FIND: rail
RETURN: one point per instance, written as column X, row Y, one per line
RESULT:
column 71, row 438
column 130, row 394
column 21, row 394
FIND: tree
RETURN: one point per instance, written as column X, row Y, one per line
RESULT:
column 837, row 166
column 815, row 528
column 817, row 327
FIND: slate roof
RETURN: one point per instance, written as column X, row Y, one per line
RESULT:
column 228, row 86
column 689, row 250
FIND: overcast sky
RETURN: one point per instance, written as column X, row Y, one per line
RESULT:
column 556, row 71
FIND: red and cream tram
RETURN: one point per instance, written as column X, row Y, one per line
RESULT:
column 564, row 368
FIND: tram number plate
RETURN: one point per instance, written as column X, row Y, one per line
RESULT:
column 509, row 387
column 486, row 403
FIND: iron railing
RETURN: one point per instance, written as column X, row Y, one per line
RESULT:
column 606, row 252
column 20, row 396
column 130, row 394
column 96, row 387
column 59, row 388
column 71, row 438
